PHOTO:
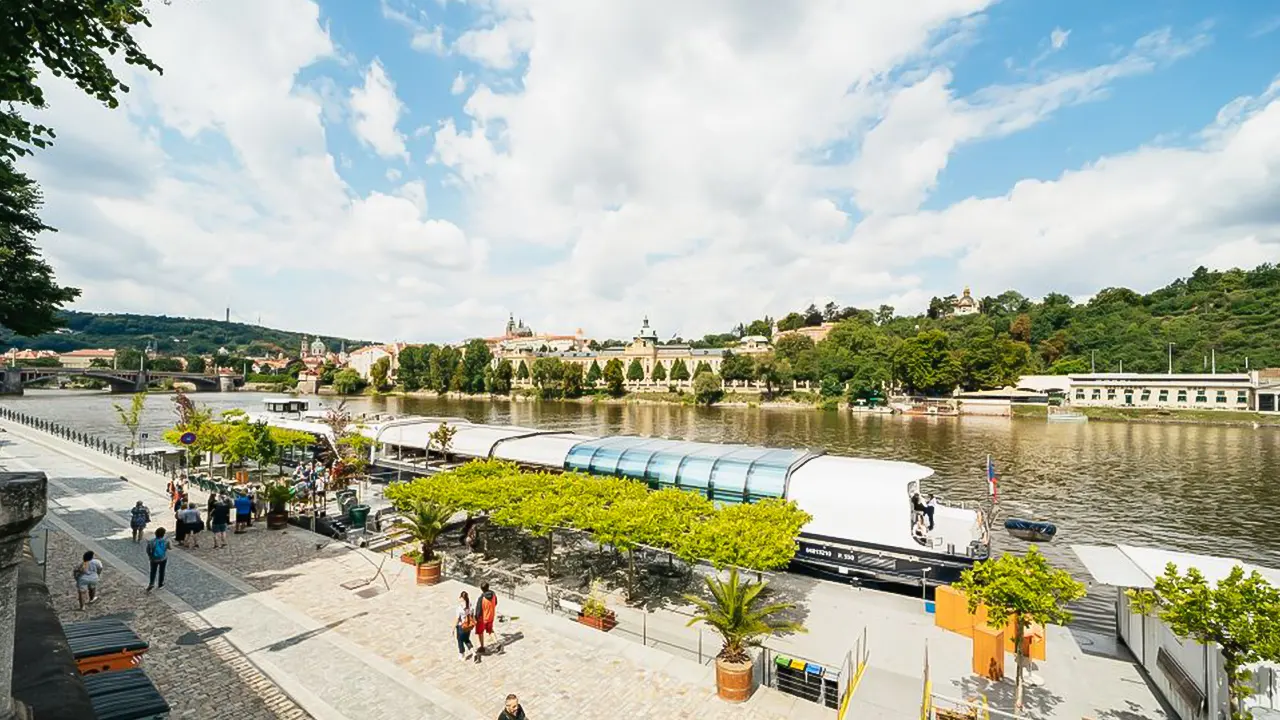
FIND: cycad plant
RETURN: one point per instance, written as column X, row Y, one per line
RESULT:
column 736, row 610
column 425, row 520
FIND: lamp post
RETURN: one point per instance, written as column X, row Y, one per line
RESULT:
column 1171, row 357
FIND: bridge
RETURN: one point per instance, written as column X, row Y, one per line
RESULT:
column 14, row 379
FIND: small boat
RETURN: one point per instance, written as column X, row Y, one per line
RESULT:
column 1031, row 530
column 1066, row 416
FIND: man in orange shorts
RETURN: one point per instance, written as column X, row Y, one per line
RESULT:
column 486, row 613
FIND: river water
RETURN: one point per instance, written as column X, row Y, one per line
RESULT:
column 1194, row 488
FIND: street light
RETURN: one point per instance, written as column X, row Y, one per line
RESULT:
column 1171, row 357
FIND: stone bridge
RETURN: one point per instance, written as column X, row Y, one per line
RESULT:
column 14, row 379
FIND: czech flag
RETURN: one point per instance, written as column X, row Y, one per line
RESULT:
column 991, row 478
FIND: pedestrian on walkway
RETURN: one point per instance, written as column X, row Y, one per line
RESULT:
column 219, row 519
column 139, row 516
column 486, row 612
column 87, row 574
column 191, row 518
column 157, row 552
column 512, row 710
column 462, row 625
column 244, row 511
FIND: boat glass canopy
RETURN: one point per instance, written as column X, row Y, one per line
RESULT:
column 726, row 473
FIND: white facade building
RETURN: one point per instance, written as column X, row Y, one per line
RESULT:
column 1201, row 391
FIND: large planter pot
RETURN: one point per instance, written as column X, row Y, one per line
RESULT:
column 733, row 680
column 277, row 519
column 605, row 624
column 429, row 572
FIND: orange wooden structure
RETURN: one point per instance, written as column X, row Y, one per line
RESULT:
column 988, row 652
column 951, row 612
column 124, row 660
column 104, row 645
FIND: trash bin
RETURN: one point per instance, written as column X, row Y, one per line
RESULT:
column 357, row 515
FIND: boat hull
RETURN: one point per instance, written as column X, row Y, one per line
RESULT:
column 1031, row 530
column 898, row 566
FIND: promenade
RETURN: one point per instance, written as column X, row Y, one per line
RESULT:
column 315, row 623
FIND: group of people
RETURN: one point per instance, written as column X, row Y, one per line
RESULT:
column 479, row 617
column 923, row 516
column 312, row 481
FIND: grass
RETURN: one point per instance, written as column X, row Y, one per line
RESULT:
column 1222, row 417
column 1030, row 411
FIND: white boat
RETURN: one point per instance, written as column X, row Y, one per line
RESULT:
column 1066, row 416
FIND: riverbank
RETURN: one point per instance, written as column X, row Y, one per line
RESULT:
column 1229, row 418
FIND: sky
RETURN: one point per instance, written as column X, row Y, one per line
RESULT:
column 416, row 170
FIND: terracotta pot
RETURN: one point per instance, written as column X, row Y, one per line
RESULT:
column 733, row 680
column 407, row 559
column 605, row 624
column 277, row 520
column 429, row 573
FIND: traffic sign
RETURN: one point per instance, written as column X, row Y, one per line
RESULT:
column 188, row 438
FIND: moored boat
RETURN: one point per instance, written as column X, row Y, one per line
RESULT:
column 1031, row 530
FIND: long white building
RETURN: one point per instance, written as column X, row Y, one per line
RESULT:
column 1251, row 391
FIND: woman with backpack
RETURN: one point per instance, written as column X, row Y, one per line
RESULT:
column 462, row 625
column 139, row 516
column 87, row 574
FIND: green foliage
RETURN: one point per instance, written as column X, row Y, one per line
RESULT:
column 424, row 521
column 635, row 371
column 734, row 367
column 1025, row 587
column 679, row 371
column 613, row 377
column 442, row 438
column 659, row 372
column 379, row 373
column 927, row 364
column 347, row 382
column 595, row 606
column 593, row 374
column 476, row 358
column 131, row 419
column 773, row 371
column 522, row 372
column 29, row 297
column 791, row 321
column 617, row 512
column 738, row 612
column 502, row 375
column 1241, row 615
column 706, row 389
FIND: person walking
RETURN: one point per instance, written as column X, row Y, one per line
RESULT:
column 87, row 574
column 462, row 624
column 486, row 613
column 219, row 519
column 512, row 710
column 139, row 516
column 157, row 553
column 244, row 511
column 191, row 517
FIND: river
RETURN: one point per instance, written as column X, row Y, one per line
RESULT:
column 1194, row 488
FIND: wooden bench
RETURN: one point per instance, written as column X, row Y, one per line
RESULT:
column 125, row 695
column 103, row 646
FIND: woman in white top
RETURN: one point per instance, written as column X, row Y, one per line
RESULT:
column 463, row 621
column 87, row 574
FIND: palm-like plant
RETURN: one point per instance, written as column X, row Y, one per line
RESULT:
column 425, row 521
column 735, row 610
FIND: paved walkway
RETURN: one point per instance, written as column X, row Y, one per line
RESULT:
column 306, row 614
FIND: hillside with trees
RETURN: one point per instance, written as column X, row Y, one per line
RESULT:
column 166, row 335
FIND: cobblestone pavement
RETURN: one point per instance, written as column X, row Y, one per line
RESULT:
column 199, row 673
column 389, row 626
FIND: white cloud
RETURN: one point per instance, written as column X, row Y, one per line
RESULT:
column 376, row 110
column 1058, row 38
column 699, row 162
column 424, row 37
column 459, row 85
column 252, row 211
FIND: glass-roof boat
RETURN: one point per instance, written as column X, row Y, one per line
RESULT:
column 865, row 521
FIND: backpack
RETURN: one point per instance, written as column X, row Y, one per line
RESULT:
column 154, row 548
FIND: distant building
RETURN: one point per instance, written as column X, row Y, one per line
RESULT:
column 965, row 305
column 1179, row 391
column 363, row 359
column 817, row 333
column 84, row 358
column 316, row 348
column 1267, row 393
column 519, row 337
column 752, row 345
column 14, row 356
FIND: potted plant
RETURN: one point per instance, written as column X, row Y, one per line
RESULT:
column 278, row 495
column 736, row 611
column 425, row 520
column 411, row 557
column 595, row 612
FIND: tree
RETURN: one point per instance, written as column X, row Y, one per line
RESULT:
column 702, row 367
column 548, row 377
column 442, row 438
column 571, row 379
column 1020, row 328
column 635, row 371
column 30, row 299
column 70, row 40
column 613, row 377
column 593, row 374
column 195, row 364
column 424, row 522
column 1240, row 615
column 1026, row 588
column 773, row 371
column 812, row 316
column 379, row 371
column 131, row 419
column 884, row 314
column 659, row 372
column 502, row 375
column 927, row 364
column 414, row 368
column 347, row 382
column 265, row 448
column 707, row 389
column 737, row 613
column 679, row 371
column 737, row 367
column 475, row 359
column 763, row 327
column 791, row 321
column 522, row 372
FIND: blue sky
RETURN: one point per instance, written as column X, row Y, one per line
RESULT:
column 417, row 169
